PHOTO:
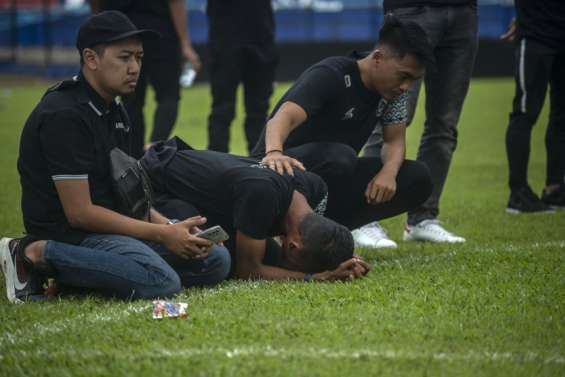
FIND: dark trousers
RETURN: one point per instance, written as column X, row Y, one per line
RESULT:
column 452, row 31
column 537, row 66
column 161, row 68
column 229, row 68
column 347, row 177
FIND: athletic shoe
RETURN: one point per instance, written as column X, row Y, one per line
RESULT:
column 21, row 284
column 555, row 199
column 430, row 230
column 372, row 235
column 523, row 200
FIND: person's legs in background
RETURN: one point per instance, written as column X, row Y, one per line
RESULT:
column 258, row 79
column 134, row 104
column 553, row 194
column 453, row 33
column 225, row 75
column 533, row 69
column 164, row 78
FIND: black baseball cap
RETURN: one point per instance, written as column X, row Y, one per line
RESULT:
column 108, row 26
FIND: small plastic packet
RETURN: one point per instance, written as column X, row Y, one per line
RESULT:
column 165, row 309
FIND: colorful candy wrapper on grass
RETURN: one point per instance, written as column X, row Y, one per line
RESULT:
column 164, row 309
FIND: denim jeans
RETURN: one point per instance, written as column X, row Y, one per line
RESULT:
column 125, row 267
column 452, row 32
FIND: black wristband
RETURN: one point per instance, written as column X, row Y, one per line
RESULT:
column 274, row 150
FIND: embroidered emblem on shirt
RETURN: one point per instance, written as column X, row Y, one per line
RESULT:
column 348, row 114
column 347, row 79
column 120, row 125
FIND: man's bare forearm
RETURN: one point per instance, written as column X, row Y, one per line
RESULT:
column 287, row 118
column 180, row 22
column 98, row 219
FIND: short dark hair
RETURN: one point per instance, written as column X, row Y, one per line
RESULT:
column 326, row 243
column 406, row 37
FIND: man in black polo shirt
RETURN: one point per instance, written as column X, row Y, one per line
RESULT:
column 241, row 46
column 70, row 214
column 253, row 203
column 325, row 118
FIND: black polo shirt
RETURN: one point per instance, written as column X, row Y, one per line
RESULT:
column 68, row 136
column 339, row 107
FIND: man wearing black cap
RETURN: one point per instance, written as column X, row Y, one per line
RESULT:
column 74, row 230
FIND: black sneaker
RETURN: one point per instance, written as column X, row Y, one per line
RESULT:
column 524, row 200
column 555, row 199
column 21, row 283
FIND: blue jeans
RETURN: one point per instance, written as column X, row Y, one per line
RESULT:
column 129, row 268
column 452, row 32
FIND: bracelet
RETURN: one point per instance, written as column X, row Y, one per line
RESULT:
column 274, row 150
column 172, row 221
column 308, row 277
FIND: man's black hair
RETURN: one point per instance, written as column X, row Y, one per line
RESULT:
column 326, row 243
column 406, row 37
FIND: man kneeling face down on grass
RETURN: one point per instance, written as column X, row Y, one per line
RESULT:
column 254, row 203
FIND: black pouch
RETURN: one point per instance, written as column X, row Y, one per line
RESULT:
column 132, row 187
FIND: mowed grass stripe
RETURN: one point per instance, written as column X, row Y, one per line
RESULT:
column 300, row 353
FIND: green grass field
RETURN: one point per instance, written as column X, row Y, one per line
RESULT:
column 494, row 306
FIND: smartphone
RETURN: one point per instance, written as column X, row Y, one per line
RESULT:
column 215, row 234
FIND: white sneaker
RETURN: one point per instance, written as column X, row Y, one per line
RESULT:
column 430, row 230
column 372, row 235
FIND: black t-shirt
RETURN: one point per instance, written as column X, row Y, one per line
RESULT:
column 232, row 191
column 147, row 14
column 68, row 136
column 542, row 20
column 240, row 23
column 339, row 107
column 389, row 5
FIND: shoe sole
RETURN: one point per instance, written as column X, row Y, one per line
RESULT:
column 514, row 211
column 8, row 270
column 408, row 237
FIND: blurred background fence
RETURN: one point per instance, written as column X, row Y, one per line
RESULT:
column 37, row 36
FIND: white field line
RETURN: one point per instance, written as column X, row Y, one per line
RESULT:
column 38, row 330
column 297, row 353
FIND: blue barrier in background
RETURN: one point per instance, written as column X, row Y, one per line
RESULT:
column 351, row 23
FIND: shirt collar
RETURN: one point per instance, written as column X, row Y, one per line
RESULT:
column 94, row 100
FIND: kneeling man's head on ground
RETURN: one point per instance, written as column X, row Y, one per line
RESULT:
column 400, row 57
column 318, row 244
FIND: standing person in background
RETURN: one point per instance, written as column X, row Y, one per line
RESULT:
column 451, row 26
column 162, row 63
column 539, row 32
column 241, row 43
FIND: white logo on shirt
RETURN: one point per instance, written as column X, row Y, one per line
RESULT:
column 348, row 114
column 120, row 125
column 347, row 79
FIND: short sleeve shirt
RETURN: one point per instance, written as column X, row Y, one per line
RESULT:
column 338, row 106
column 68, row 136
column 236, row 192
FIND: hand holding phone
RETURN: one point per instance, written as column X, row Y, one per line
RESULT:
column 215, row 234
